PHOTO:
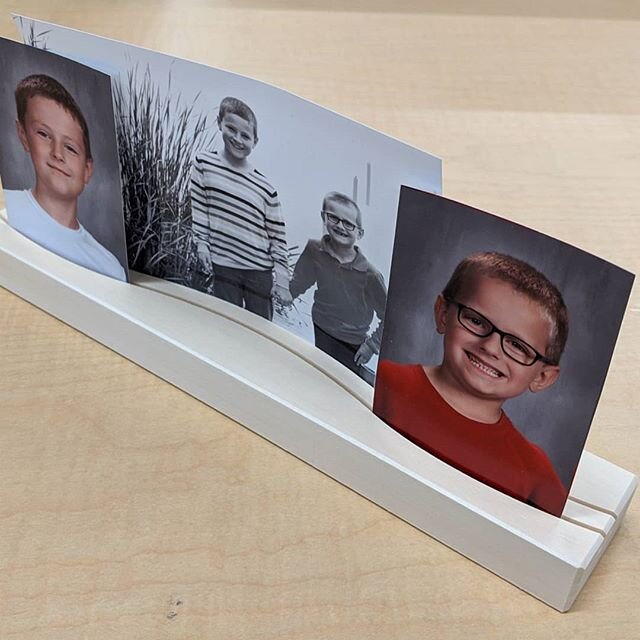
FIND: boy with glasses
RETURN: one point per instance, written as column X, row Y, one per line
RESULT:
column 349, row 289
column 504, row 327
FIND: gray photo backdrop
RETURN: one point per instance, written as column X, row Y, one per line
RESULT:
column 433, row 234
column 100, row 204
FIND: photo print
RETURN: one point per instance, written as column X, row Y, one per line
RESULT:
column 59, row 160
column 251, row 194
column 496, row 346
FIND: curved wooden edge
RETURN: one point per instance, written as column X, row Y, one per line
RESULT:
column 348, row 380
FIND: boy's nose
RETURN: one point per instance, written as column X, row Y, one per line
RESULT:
column 492, row 344
column 57, row 150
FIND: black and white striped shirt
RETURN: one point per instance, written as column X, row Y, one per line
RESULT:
column 237, row 215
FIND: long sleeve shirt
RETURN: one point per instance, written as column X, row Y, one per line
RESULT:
column 347, row 294
column 237, row 215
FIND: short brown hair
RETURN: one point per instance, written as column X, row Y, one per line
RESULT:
column 238, row 108
column 40, row 84
column 523, row 278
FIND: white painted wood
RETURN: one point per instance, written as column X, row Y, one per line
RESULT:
column 297, row 397
column 318, row 359
column 594, row 488
column 589, row 517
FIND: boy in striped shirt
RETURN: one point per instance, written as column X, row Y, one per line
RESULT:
column 236, row 217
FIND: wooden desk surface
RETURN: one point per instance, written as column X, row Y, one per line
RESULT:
column 130, row 510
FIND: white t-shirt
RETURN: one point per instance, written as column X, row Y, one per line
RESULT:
column 78, row 245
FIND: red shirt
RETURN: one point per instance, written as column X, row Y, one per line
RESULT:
column 496, row 454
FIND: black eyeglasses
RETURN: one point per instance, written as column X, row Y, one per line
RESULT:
column 517, row 349
column 334, row 219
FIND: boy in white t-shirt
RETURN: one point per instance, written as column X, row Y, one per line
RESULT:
column 54, row 133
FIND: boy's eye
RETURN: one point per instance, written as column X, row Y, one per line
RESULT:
column 71, row 149
column 42, row 133
column 477, row 321
column 516, row 345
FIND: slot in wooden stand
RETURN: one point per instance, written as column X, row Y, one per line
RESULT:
column 300, row 399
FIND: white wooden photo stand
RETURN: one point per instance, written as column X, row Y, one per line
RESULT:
column 303, row 401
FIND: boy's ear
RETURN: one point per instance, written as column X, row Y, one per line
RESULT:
column 88, row 171
column 547, row 375
column 440, row 313
column 360, row 233
column 22, row 135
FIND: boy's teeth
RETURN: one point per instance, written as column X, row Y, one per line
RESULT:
column 483, row 367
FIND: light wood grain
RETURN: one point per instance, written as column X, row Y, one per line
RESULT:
column 120, row 495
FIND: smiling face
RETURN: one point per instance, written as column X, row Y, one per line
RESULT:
column 238, row 136
column 342, row 223
column 55, row 141
column 478, row 366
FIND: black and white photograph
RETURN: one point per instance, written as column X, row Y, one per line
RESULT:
column 59, row 161
column 496, row 346
column 251, row 194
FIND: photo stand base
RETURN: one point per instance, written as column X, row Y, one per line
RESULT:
column 297, row 397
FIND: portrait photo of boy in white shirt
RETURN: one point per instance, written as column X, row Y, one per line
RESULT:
column 53, row 131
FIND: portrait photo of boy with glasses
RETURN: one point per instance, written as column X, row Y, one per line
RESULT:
column 350, row 291
column 503, row 327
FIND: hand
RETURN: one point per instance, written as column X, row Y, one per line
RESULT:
column 283, row 294
column 363, row 354
column 204, row 256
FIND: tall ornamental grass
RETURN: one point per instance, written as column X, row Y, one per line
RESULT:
column 158, row 137
column 33, row 39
